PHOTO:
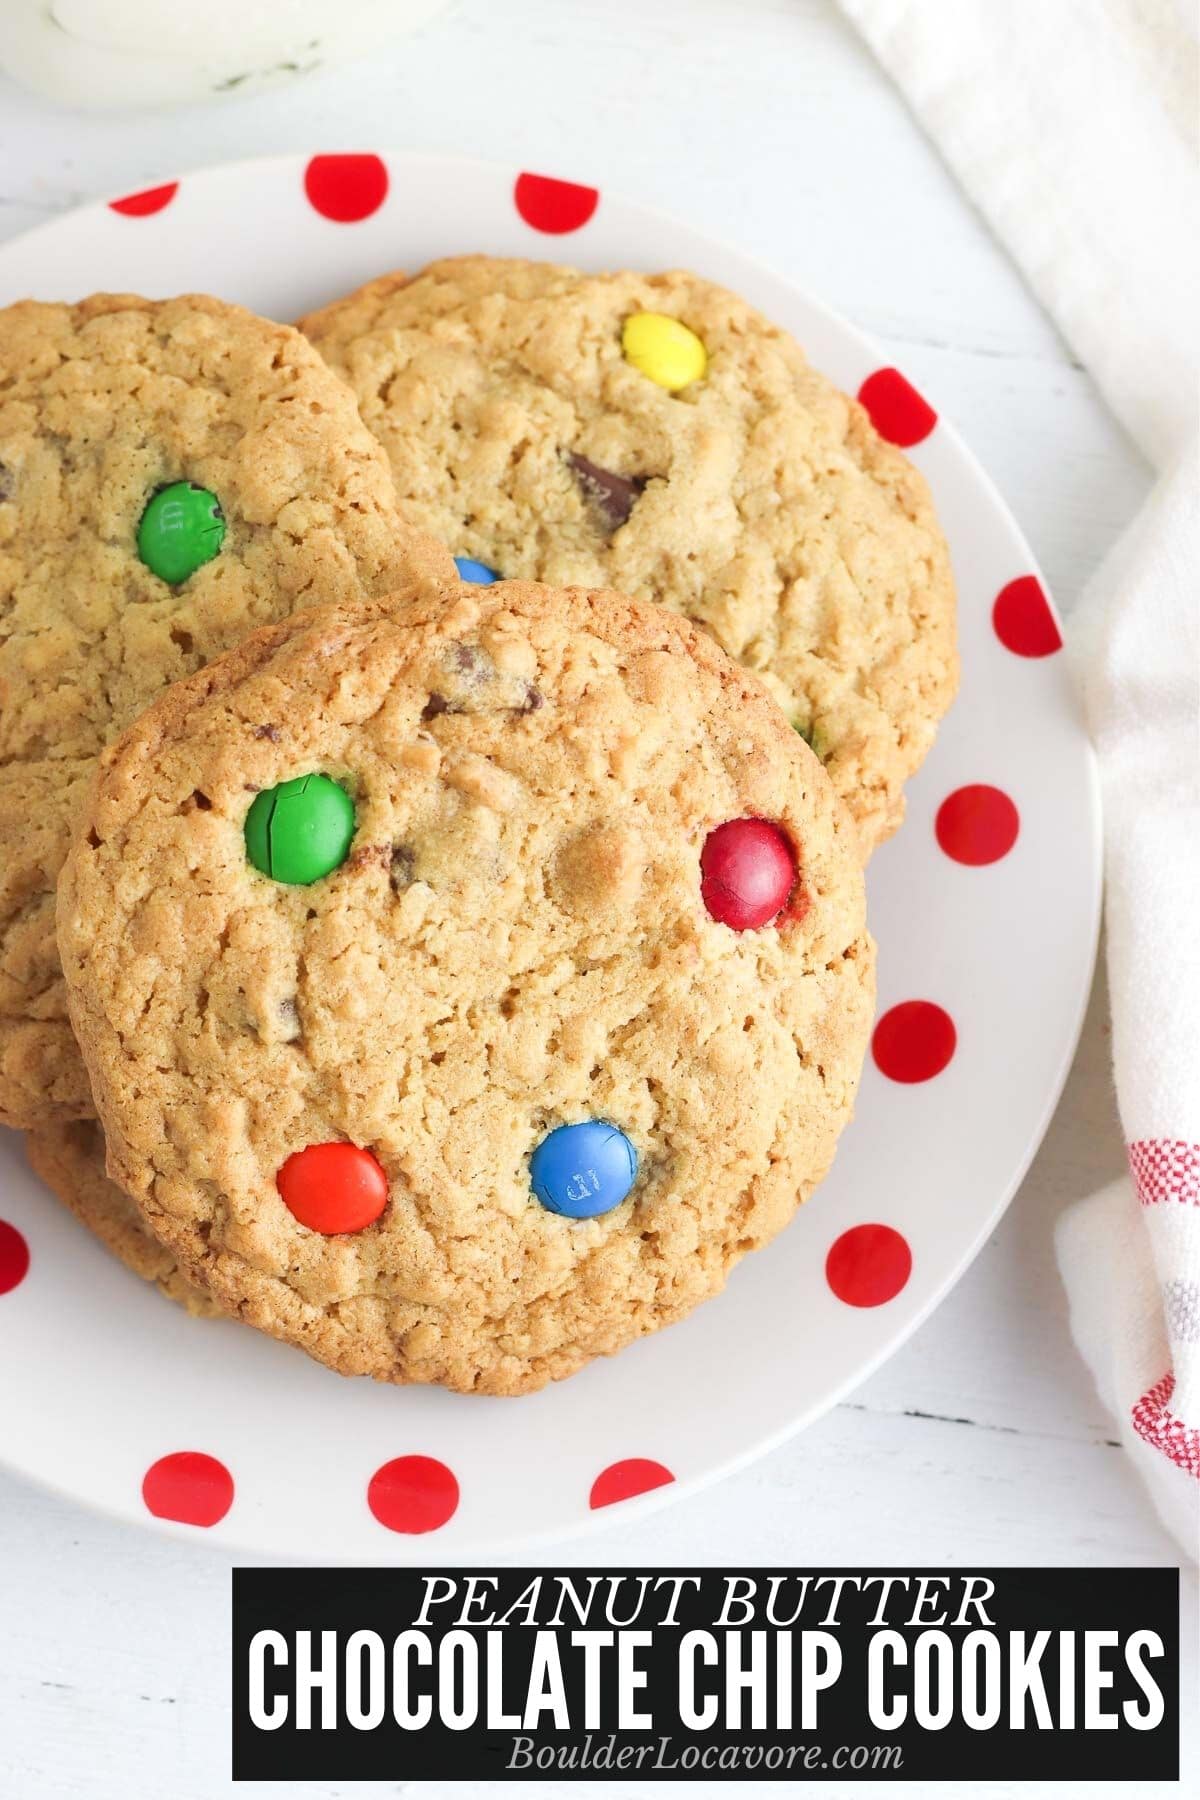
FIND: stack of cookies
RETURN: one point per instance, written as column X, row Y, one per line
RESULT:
column 438, row 753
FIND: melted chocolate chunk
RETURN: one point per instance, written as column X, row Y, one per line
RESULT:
column 404, row 863
column 474, row 685
column 473, row 664
column 612, row 496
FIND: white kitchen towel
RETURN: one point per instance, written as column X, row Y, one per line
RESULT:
column 1072, row 125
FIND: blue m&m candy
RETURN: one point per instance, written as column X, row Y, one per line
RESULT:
column 583, row 1170
column 475, row 572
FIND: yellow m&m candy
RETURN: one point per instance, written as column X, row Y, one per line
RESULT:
column 664, row 349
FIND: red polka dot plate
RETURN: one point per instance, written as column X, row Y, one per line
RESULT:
column 985, row 908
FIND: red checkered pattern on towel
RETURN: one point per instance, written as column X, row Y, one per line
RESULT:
column 1154, row 1421
column 1166, row 1178
column 1165, row 1169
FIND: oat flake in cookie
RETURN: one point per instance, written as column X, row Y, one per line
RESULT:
column 172, row 474
column 653, row 433
column 332, row 1081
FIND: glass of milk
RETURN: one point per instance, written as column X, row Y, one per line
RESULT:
column 159, row 53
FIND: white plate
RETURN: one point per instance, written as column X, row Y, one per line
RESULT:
column 104, row 1378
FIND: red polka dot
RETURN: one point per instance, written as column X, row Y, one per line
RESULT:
column 896, row 410
column 622, row 1480
column 1023, row 619
column 914, row 1041
column 188, row 1486
column 554, row 206
column 346, row 188
column 14, row 1257
column 977, row 824
column 150, row 200
column 868, row 1265
column 413, row 1494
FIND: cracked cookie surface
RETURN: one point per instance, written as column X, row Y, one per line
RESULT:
column 758, row 499
column 102, row 405
column 515, row 940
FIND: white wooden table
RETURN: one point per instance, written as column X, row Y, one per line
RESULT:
column 762, row 121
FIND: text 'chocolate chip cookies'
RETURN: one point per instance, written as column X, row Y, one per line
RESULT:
column 570, row 1024
column 653, row 433
column 172, row 475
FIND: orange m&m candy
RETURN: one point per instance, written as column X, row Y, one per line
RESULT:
column 333, row 1187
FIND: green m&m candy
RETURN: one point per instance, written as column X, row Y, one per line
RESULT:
column 182, row 528
column 300, row 830
column 814, row 737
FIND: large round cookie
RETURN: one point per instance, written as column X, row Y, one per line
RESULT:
column 70, row 1160
column 517, row 940
column 102, row 406
column 757, row 499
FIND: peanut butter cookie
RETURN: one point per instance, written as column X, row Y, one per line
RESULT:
column 172, row 474
column 467, row 979
column 655, row 434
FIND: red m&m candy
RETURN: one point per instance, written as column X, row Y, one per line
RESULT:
column 333, row 1187
column 747, row 871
